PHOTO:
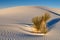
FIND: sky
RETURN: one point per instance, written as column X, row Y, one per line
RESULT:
column 13, row 3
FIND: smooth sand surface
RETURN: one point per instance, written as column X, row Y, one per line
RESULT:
column 22, row 14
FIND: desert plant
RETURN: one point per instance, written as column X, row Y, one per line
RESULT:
column 39, row 23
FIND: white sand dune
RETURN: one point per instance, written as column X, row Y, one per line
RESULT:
column 21, row 14
column 24, row 14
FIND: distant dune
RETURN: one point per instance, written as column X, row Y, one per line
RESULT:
column 23, row 14
column 55, row 10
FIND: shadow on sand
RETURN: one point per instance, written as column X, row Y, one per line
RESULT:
column 51, row 23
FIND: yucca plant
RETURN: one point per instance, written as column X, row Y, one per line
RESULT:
column 39, row 23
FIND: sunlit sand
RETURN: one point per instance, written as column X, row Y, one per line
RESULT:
column 10, row 27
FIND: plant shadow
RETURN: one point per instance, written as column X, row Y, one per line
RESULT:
column 51, row 23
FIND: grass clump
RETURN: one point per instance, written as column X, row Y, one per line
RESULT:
column 39, row 23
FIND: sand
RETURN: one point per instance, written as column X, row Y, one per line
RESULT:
column 11, row 19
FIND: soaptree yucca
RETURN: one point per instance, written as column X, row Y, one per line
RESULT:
column 39, row 23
